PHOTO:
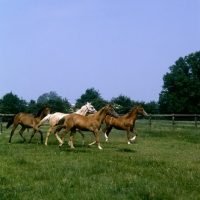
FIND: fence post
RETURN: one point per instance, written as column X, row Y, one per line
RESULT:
column 195, row 121
column 150, row 121
column 1, row 125
column 173, row 121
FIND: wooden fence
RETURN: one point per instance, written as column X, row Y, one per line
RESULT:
column 150, row 119
column 171, row 119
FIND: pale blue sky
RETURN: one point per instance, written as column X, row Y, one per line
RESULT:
column 119, row 47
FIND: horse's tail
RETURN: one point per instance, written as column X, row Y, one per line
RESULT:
column 10, row 122
column 44, row 120
column 60, row 124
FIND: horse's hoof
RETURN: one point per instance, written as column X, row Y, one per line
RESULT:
column 60, row 145
column 100, row 148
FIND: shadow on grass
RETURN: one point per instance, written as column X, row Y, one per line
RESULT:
column 127, row 150
column 73, row 150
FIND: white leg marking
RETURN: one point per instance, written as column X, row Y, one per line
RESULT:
column 133, row 138
column 129, row 142
column 106, row 137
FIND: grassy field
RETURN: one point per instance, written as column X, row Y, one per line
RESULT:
column 160, row 164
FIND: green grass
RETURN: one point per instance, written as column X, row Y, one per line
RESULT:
column 160, row 164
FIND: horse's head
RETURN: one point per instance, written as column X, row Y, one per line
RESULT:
column 141, row 111
column 111, row 111
column 46, row 110
column 90, row 108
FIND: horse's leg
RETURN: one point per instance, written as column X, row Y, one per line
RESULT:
column 41, row 134
column 21, row 133
column 32, row 135
column 58, row 138
column 69, row 142
column 128, row 136
column 47, row 135
column 106, row 131
column 97, row 139
column 71, row 138
column 135, row 134
column 12, row 132
column 63, row 136
column 83, row 142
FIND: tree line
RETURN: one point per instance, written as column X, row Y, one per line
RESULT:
column 12, row 104
column 180, row 94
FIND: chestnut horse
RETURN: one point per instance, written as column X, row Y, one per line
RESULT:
column 126, row 122
column 85, row 123
column 54, row 118
column 28, row 121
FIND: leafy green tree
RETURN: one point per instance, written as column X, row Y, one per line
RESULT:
column 12, row 104
column 93, row 96
column 33, row 107
column 122, row 104
column 48, row 96
column 55, row 102
column 152, row 107
column 181, row 88
column 58, row 105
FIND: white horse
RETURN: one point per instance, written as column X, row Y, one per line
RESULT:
column 54, row 118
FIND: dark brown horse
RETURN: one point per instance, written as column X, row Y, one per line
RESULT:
column 126, row 122
column 28, row 121
column 85, row 123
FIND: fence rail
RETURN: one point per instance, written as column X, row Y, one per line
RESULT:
column 194, row 119
column 150, row 119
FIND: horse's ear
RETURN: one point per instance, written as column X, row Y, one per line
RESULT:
column 109, row 106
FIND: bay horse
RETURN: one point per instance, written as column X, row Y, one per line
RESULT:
column 85, row 123
column 126, row 122
column 54, row 118
column 28, row 121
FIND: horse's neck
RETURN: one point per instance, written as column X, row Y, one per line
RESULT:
column 100, row 115
column 82, row 111
column 133, row 115
column 42, row 116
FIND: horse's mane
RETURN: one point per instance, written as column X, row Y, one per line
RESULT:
column 39, row 112
column 127, row 115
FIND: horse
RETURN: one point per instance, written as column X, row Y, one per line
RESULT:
column 126, row 122
column 28, row 121
column 54, row 118
column 85, row 123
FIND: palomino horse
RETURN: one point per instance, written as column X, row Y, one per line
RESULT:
column 85, row 123
column 126, row 122
column 28, row 121
column 54, row 118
